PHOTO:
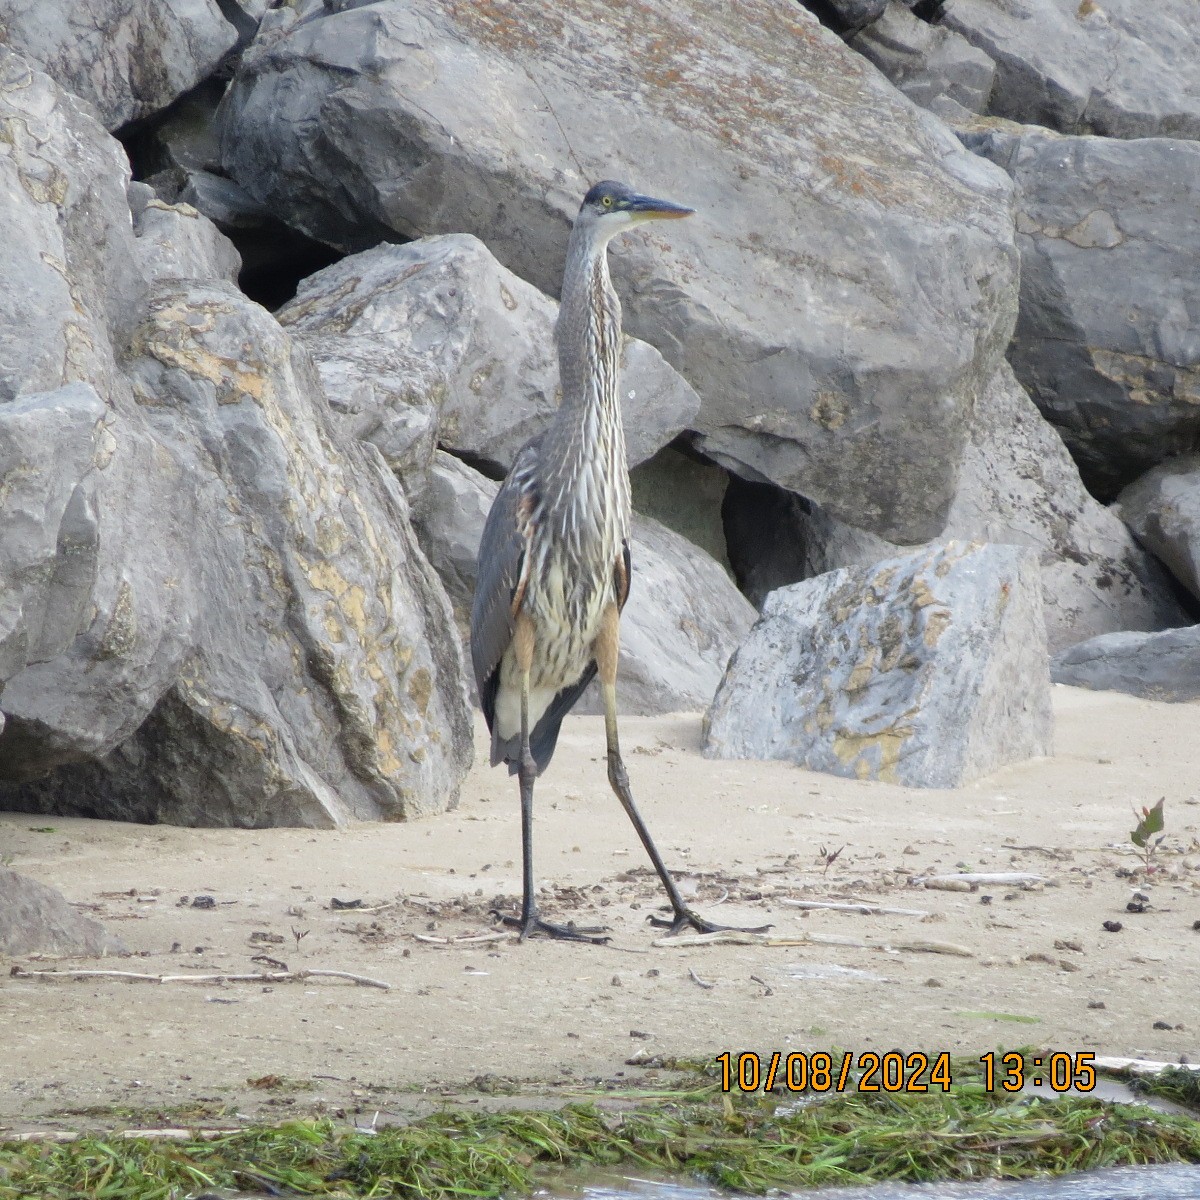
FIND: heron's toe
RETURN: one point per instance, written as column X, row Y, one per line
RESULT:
column 688, row 920
column 534, row 926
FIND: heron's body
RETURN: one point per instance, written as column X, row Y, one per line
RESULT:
column 554, row 566
column 569, row 493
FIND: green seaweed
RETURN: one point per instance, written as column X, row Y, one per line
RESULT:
column 749, row 1143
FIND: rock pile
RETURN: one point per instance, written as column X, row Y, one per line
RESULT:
column 212, row 608
column 941, row 284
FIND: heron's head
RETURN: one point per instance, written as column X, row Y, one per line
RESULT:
column 610, row 208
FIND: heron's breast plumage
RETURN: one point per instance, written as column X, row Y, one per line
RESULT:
column 577, row 538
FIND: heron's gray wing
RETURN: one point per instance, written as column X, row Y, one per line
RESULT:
column 501, row 555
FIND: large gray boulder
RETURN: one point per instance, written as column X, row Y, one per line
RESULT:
column 1163, row 510
column 683, row 619
column 1119, row 68
column 927, row 62
column 928, row 670
column 212, row 607
column 36, row 919
column 437, row 340
column 1106, row 341
column 846, row 288
column 1018, row 486
column 263, row 642
column 1156, row 666
column 129, row 58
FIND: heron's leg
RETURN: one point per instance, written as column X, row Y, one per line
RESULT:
column 606, row 661
column 526, row 774
column 529, row 922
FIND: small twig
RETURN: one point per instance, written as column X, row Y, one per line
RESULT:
column 768, row 990
column 703, row 983
column 866, row 909
column 255, row 977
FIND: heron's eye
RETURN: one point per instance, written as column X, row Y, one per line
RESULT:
column 607, row 201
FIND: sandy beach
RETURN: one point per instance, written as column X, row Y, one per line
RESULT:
column 744, row 838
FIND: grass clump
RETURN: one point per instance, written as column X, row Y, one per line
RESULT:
column 750, row 1143
column 1179, row 1084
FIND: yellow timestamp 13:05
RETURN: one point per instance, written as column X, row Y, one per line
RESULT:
column 896, row 1071
column 1063, row 1071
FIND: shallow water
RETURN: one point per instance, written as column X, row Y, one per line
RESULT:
column 1177, row 1182
column 1170, row 1182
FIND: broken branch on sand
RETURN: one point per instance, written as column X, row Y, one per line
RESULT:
column 223, row 977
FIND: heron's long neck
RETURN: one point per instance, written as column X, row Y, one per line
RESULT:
column 590, row 476
column 589, row 327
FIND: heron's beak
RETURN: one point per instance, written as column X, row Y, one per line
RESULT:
column 647, row 208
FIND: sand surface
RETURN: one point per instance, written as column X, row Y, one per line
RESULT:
column 743, row 836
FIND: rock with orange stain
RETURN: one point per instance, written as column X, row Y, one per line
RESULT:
column 926, row 670
column 213, row 608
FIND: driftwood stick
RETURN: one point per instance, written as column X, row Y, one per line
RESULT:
column 866, row 909
column 223, row 977
column 731, row 938
column 918, row 945
column 470, row 939
column 728, row 937
column 702, row 982
column 926, row 947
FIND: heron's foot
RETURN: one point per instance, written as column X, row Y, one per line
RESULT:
column 534, row 926
column 686, row 919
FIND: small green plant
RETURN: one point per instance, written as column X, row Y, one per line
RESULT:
column 1149, row 823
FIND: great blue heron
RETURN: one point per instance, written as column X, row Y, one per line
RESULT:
column 554, row 566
